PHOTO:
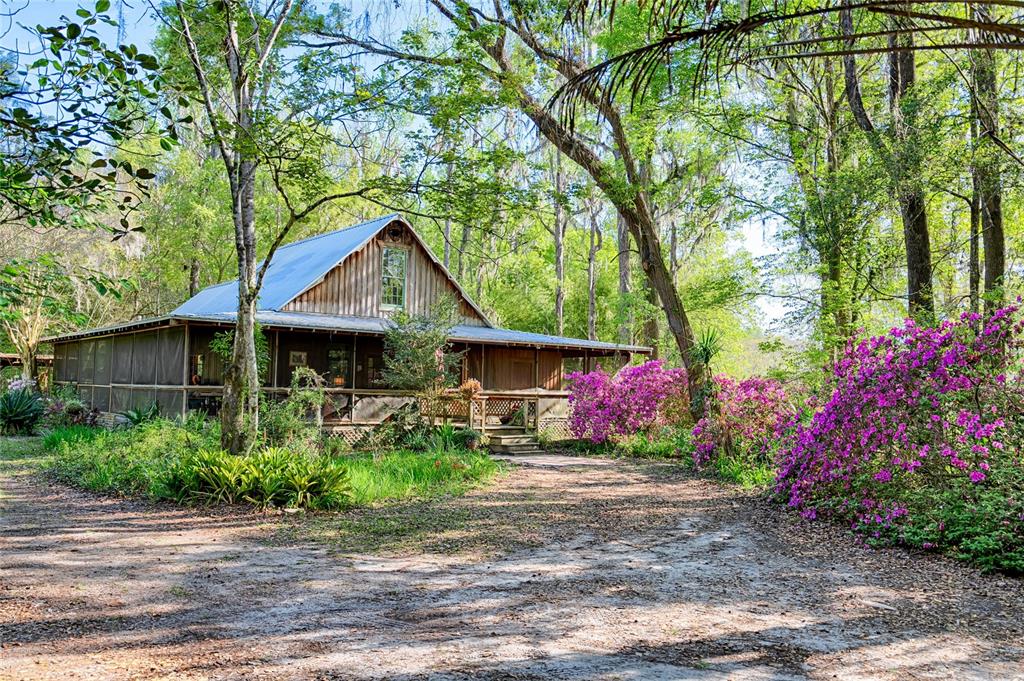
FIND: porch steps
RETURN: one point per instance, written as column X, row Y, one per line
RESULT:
column 512, row 440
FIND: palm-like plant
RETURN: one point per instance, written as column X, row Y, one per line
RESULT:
column 727, row 35
column 20, row 411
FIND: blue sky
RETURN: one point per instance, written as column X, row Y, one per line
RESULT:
column 138, row 28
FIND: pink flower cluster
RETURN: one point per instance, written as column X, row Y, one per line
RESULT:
column 916, row 406
column 744, row 420
column 603, row 406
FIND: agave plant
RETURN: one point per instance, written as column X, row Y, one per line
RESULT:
column 142, row 414
column 20, row 411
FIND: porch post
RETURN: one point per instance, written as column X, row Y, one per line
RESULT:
column 276, row 359
column 536, row 368
column 184, row 372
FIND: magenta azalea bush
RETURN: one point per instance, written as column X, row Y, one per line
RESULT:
column 920, row 440
column 604, row 406
column 744, row 422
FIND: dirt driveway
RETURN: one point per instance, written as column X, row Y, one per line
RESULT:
column 595, row 571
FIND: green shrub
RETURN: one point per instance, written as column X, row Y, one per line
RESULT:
column 125, row 461
column 295, row 422
column 21, row 410
column 663, row 443
column 165, row 459
column 272, row 477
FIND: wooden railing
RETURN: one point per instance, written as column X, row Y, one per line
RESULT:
column 486, row 411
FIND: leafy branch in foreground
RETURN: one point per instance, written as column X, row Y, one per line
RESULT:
column 65, row 117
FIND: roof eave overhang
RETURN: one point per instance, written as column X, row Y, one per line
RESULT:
column 170, row 320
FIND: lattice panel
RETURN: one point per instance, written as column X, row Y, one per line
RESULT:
column 503, row 406
column 452, row 408
column 350, row 434
column 556, row 429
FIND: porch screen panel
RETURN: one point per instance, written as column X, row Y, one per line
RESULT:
column 101, row 397
column 72, row 363
column 60, row 355
column 142, row 398
column 120, row 399
column 87, row 361
column 121, row 359
column 102, row 361
column 171, row 357
column 169, row 401
column 144, row 358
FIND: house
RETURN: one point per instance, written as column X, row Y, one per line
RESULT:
column 325, row 304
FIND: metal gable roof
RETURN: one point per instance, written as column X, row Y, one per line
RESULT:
column 295, row 268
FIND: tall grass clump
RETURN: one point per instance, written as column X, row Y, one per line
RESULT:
column 402, row 474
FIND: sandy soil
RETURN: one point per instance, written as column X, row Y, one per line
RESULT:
column 596, row 570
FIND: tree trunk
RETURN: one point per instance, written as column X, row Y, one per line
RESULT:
column 903, row 160
column 448, row 224
column 194, row 267
column 652, row 331
column 921, row 305
column 974, row 256
column 239, row 413
column 29, row 369
column 985, row 102
column 559, row 235
column 595, row 248
column 625, row 272
column 909, row 186
column 463, row 245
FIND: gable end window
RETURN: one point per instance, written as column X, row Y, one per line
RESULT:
column 392, row 280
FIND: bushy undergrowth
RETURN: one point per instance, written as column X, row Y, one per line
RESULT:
column 919, row 441
column 164, row 459
column 125, row 461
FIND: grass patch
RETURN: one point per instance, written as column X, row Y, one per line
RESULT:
column 404, row 474
column 668, row 444
column 743, row 473
column 130, row 461
column 20, row 456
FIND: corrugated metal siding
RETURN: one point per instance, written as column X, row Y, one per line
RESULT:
column 354, row 287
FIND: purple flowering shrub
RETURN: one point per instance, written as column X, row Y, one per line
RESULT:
column 743, row 423
column 635, row 399
column 923, row 427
